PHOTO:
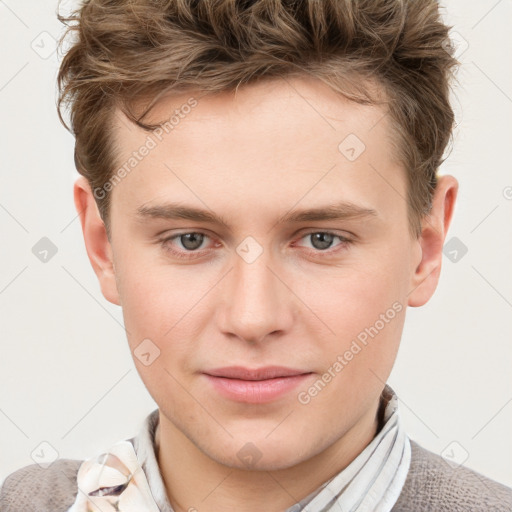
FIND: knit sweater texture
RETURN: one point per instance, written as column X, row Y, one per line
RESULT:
column 432, row 485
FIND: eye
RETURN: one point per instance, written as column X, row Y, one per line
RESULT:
column 323, row 240
column 190, row 242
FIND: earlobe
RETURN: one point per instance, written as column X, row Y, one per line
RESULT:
column 97, row 244
column 434, row 229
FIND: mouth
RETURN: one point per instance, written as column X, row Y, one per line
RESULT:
column 254, row 386
column 264, row 373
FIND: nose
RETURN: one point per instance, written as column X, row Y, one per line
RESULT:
column 256, row 300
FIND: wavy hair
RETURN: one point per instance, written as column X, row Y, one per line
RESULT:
column 123, row 52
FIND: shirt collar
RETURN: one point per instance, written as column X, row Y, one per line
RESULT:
column 377, row 473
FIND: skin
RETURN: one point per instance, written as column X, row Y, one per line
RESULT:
column 251, row 158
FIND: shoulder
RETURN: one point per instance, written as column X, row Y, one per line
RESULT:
column 433, row 485
column 34, row 488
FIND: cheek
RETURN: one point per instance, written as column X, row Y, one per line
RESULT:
column 367, row 317
column 158, row 311
column 155, row 295
column 352, row 297
column 166, row 305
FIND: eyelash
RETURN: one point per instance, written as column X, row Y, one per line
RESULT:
column 193, row 254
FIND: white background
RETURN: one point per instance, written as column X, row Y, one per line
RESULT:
column 66, row 376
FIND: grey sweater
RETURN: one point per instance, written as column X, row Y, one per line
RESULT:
column 431, row 485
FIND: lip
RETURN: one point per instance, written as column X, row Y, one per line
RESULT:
column 255, row 386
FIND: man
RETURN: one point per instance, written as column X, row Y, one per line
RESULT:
column 260, row 194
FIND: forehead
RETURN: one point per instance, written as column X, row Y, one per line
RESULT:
column 274, row 144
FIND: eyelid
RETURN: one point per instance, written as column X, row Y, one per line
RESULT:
column 343, row 234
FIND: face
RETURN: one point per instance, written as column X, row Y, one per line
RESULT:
column 266, row 229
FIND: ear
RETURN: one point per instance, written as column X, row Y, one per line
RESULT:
column 434, row 229
column 96, row 241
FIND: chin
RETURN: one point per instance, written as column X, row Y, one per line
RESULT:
column 259, row 455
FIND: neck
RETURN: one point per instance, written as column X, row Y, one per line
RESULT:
column 195, row 481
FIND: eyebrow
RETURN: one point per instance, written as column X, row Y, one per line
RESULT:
column 338, row 211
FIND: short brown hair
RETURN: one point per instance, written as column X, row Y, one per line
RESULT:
column 125, row 51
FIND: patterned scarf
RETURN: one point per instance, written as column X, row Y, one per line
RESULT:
column 127, row 478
